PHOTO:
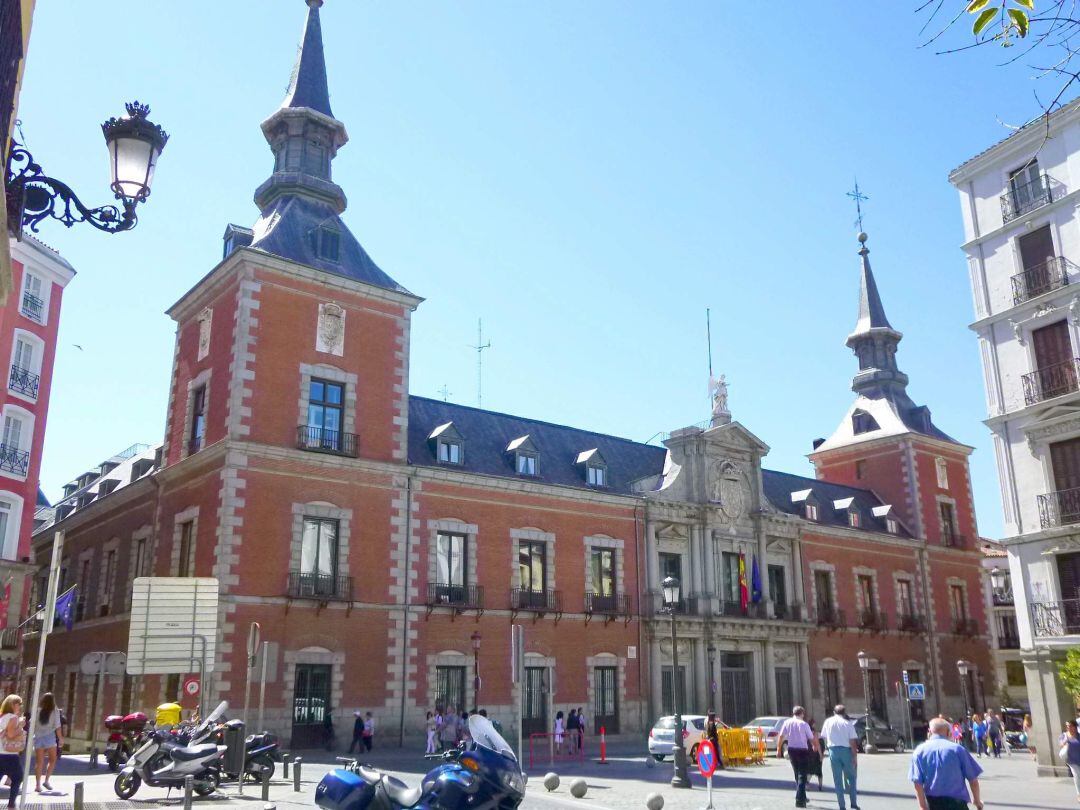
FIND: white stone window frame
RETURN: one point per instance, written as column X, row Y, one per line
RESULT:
column 145, row 535
column 316, row 655
column 863, row 571
column 38, row 350
column 106, row 591
column 9, row 543
column 324, row 371
column 321, row 510
column 830, row 569
column 916, row 601
column 940, row 499
column 603, row 541
column 531, row 534
column 958, row 582
column 941, row 472
column 449, row 658
column 199, row 380
column 204, row 321
column 46, row 295
column 600, row 661
column 26, row 434
column 189, row 515
column 833, row 664
column 453, row 526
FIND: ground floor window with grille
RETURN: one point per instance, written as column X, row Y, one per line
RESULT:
column 534, row 719
column 311, row 703
column 606, row 700
column 785, row 690
column 667, row 704
column 450, row 689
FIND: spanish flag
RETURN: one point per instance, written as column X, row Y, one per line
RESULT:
column 744, row 590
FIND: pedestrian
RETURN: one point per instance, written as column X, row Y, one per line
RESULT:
column 560, row 728
column 800, row 741
column 369, row 731
column 12, row 743
column 939, row 770
column 429, row 728
column 843, row 742
column 358, row 731
column 813, row 765
column 957, row 732
column 1025, row 735
column 979, row 726
column 46, row 734
column 581, row 728
column 463, row 728
column 440, row 726
column 328, row 730
column 1070, row 752
column 572, row 731
column 712, row 734
column 994, row 732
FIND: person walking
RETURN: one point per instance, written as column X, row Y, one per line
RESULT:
column 843, row 743
column 560, row 729
column 429, row 728
column 712, row 734
column 440, row 726
column 572, row 730
column 978, row 727
column 1070, row 752
column 580, row 728
column 46, row 737
column 369, row 732
column 994, row 732
column 941, row 772
column 1025, row 735
column 12, row 743
column 800, row 741
column 328, row 730
column 357, row 731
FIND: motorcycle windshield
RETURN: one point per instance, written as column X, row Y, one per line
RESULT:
column 485, row 735
column 209, row 722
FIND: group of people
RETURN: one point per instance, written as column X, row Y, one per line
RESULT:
column 989, row 734
column 570, row 731
column 46, row 745
column 363, row 735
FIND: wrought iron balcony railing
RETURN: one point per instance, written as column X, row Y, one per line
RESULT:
column 1053, row 274
column 463, row 597
column 910, row 623
column 687, row 606
column 195, row 444
column 829, row 616
column 14, row 460
column 1055, row 619
column 952, row 539
column 24, row 381
column 326, row 441
column 873, row 621
column 734, row 609
column 965, row 627
column 9, row 638
column 1008, row 641
column 1023, row 198
column 1059, row 508
column 324, row 587
column 541, row 601
column 617, row 604
column 1003, row 597
column 1054, row 380
column 792, row 612
column 33, row 307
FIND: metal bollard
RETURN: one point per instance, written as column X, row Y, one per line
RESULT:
column 296, row 774
column 285, row 765
column 189, row 785
column 77, row 801
column 264, row 777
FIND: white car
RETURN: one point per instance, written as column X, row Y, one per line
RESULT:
column 662, row 736
column 771, row 726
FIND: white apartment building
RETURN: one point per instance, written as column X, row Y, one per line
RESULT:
column 1022, row 239
column 1009, row 678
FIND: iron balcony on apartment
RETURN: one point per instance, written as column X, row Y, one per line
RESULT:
column 1053, row 380
column 458, row 597
column 320, row 587
column 1023, row 198
column 13, row 459
column 1055, row 620
column 24, row 381
column 1052, row 274
column 1061, row 508
column 33, row 307
column 323, row 440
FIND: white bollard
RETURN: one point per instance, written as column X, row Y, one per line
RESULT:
column 578, row 788
column 654, row 801
column 551, row 781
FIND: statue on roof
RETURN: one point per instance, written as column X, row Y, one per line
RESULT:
column 720, row 413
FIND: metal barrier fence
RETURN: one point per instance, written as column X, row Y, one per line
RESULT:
column 541, row 742
column 739, row 746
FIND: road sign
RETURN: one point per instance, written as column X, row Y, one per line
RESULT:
column 905, row 678
column 173, row 626
column 706, row 758
column 113, row 663
column 916, row 691
column 191, row 686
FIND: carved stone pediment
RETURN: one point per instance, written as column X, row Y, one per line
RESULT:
column 1059, row 421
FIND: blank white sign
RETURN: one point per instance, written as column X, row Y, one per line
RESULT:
column 174, row 623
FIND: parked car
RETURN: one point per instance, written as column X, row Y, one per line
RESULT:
column 771, row 726
column 662, row 735
column 882, row 735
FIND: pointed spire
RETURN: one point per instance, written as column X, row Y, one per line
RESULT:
column 871, row 310
column 308, row 86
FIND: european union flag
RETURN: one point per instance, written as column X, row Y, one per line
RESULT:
column 755, row 582
column 65, row 606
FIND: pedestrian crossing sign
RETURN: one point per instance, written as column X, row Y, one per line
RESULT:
column 916, row 691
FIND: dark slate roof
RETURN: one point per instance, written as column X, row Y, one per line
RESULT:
column 286, row 227
column 41, row 499
column 308, row 86
column 779, row 486
column 486, row 434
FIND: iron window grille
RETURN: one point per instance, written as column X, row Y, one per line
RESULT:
column 1053, row 274
column 1023, row 198
column 14, row 460
column 24, row 381
column 320, row 439
column 33, row 307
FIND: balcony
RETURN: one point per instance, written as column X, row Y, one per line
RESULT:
column 9, row 639
column 788, row 613
column 1055, row 619
column 687, row 606
column 965, row 627
column 322, row 440
column 873, row 621
column 540, row 602
column 1008, row 641
column 33, row 307
column 830, row 617
column 322, row 587
column 1053, row 274
column 609, row 606
column 14, row 460
column 1059, row 508
column 1052, row 381
column 754, row 610
column 195, row 444
column 911, row 623
column 1002, row 597
column 24, row 381
column 1025, row 198
column 458, row 597
column 950, row 539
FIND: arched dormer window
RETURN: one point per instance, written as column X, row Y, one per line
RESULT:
column 863, row 422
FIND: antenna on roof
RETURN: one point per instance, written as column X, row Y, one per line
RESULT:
column 445, row 392
column 479, row 347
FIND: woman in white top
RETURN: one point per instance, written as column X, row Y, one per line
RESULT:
column 12, row 743
column 46, row 740
column 560, row 729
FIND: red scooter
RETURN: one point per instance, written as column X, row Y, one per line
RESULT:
column 124, row 732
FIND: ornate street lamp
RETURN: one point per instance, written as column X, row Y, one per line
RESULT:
column 671, row 598
column 864, row 668
column 475, row 638
column 998, row 578
column 711, row 650
column 964, row 667
column 134, row 144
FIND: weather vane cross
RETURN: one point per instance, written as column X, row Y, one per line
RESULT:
column 859, row 199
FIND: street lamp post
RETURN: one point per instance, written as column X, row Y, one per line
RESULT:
column 864, row 668
column 711, row 650
column 964, row 667
column 680, row 779
column 475, row 637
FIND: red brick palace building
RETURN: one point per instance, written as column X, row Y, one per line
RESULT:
column 373, row 533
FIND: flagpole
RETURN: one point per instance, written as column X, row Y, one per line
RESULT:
column 46, row 625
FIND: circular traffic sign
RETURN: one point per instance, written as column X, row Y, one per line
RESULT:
column 191, row 686
column 706, row 758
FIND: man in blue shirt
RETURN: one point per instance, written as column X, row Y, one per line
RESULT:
column 939, row 770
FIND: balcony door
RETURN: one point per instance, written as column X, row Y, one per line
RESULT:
column 1068, row 566
column 1065, row 460
column 1026, row 187
column 1053, row 361
column 1036, row 251
column 534, row 705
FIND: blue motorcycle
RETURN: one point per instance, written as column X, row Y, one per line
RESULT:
column 481, row 775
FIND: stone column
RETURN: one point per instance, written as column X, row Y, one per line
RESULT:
column 763, row 566
column 797, row 576
column 652, row 569
column 709, row 560
column 656, row 683
column 770, row 680
column 701, row 676
column 694, row 560
column 1050, row 703
column 804, row 691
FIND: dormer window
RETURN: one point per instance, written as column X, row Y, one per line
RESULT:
column 892, row 526
column 526, row 463
column 326, row 242
column 449, row 452
column 526, row 456
column 449, row 446
column 862, row 422
column 805, row 498
column 596, row 475
column 811, row 511
column 595, row 467
column 884, row 512
column 853, row 519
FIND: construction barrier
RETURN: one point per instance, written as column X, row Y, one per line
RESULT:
column 758, row 750
column 735, row 748
column 543, row 746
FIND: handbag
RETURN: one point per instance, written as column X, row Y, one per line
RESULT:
column 11, row 745
column 1063, row 752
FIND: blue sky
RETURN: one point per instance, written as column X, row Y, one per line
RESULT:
column 586, row 177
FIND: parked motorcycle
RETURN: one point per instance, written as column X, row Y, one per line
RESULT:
column 260, row 751
column 482, row 774
column 124, row 733
column 163, row 761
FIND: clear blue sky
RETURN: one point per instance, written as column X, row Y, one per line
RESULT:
column 587, row 177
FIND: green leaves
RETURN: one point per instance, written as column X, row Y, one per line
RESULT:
column 1019, row 21
column 977, row 5
column 1028, row 4
column 984, row 20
